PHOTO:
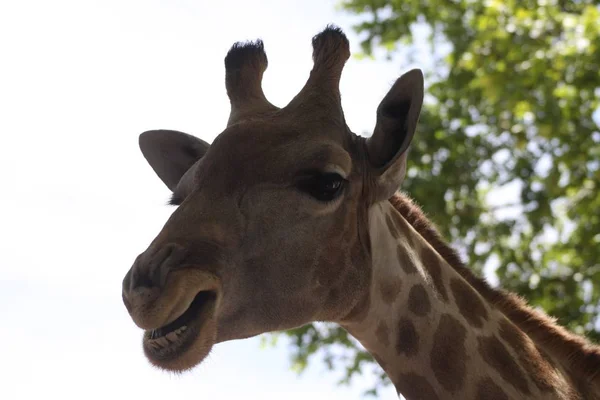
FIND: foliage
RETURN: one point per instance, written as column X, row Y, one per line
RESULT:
column 510, row 109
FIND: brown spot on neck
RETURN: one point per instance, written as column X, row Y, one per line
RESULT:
column 415, row 387
column 531, row 360
column 408, row 339
column 469, row 303
column 418, row 300
column 448, row 354
column 405, row 261
column 390, row 288
column 497, row 356
column 488, row 390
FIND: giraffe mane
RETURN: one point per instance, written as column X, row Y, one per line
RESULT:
column 582, row 357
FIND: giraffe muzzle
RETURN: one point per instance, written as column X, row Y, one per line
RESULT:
column 170, row 294
column 169, row 346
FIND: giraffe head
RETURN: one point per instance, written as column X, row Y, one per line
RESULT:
column 271, row 228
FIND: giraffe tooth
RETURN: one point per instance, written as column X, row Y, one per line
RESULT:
column 171, row 336
column 162, row 341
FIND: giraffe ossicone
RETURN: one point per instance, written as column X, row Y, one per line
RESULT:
column 288, row 218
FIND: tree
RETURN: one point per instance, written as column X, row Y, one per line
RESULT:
column 513, row 104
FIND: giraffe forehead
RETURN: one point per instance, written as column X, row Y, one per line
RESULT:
column 277, row 149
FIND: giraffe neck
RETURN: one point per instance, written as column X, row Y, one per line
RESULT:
column 434, row 335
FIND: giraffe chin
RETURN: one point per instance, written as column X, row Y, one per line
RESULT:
column 184, row 343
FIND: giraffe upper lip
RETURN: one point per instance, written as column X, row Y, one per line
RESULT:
column 154, row 308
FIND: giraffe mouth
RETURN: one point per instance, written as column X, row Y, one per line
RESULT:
column 169, row 346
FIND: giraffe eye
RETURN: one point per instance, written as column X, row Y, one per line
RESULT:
column 322, row 186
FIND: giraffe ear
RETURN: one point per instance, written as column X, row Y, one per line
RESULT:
column 397, row 117
column 171, row 153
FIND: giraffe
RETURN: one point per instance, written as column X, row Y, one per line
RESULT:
column 288, row 218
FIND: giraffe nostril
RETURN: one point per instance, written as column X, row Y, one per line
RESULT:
column 151, row 267
column 141, row 278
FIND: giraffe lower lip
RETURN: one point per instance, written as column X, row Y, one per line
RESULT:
column 169, row 341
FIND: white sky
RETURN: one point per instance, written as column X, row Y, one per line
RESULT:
column 79, row 80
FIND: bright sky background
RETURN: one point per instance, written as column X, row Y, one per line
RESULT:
column 79, row 80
